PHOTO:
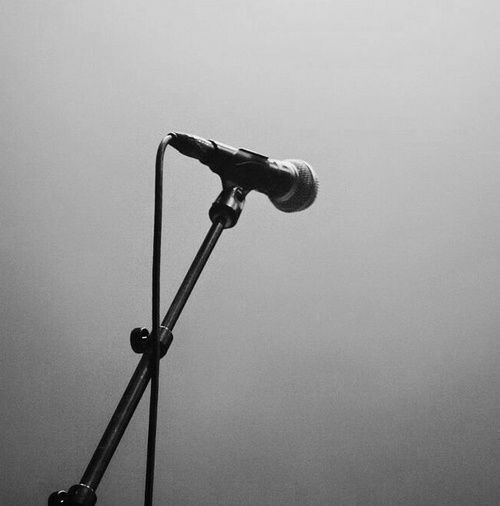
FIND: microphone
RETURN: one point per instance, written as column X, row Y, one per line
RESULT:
column 291, row 185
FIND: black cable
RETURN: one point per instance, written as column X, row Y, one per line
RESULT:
column 155, row 332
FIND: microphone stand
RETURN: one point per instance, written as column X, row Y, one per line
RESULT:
column 224, row 213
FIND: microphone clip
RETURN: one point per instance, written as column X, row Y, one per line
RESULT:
column 228, row 206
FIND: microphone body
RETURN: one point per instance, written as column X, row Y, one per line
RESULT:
column 291, row 185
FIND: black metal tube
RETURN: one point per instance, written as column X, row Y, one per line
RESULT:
column 192, row 275
column 139, row 381
column 118, row 423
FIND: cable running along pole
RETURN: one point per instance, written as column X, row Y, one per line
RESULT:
column 155, row 324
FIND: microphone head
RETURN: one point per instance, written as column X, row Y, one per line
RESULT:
column 304, row 190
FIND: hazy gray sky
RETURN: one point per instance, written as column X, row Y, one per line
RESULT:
column 344, row 355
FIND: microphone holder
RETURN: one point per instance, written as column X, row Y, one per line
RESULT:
column 224, row 213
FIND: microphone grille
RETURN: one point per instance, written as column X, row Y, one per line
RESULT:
column 304, row 191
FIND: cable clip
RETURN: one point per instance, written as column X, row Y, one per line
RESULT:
column 141, row 340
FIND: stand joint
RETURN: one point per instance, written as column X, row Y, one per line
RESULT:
column 77, row 495
column 141, row 340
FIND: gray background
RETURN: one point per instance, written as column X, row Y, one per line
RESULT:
column 344, row 355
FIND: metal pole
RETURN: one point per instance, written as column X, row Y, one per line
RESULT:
column 141, row 376
column 84, row 493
